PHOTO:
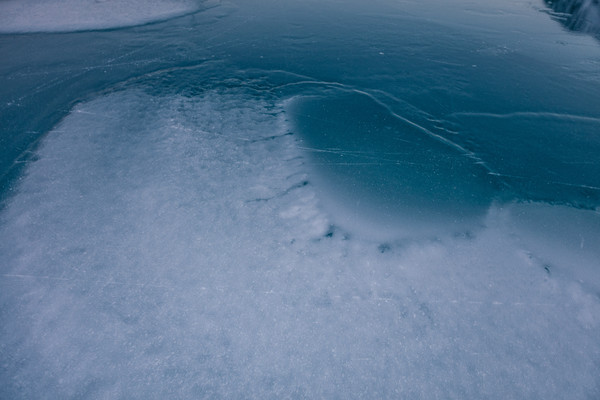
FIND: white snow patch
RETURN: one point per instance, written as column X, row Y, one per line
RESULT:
column 19, row 16
column 171, row 247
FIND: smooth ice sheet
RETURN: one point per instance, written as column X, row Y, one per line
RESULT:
column 395, row 177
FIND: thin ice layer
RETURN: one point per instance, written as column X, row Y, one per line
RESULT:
column 18, row 16
column 390, row 171
column 175, row 248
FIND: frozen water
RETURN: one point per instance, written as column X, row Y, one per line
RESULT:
column 20, row 16
column 175, row 247
column 299, row 200
column 401, row 180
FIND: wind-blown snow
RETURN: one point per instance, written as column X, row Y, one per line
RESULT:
column 175, row 247
column 19, row 16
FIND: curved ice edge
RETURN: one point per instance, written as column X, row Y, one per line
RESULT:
column 381, row 187
column 18, row 18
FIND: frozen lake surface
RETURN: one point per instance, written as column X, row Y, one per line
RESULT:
column 267, row 199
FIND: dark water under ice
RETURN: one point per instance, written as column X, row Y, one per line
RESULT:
column 267, row 199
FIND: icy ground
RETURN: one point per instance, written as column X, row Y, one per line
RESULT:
column 277, row 199
column 176, row 247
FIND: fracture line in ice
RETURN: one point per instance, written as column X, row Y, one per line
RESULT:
column 370, row 94
column 546, row 181
column 529, row 114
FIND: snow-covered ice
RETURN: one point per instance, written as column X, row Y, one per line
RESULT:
column 299, row 199
column 20, row 16
column 176, row 247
